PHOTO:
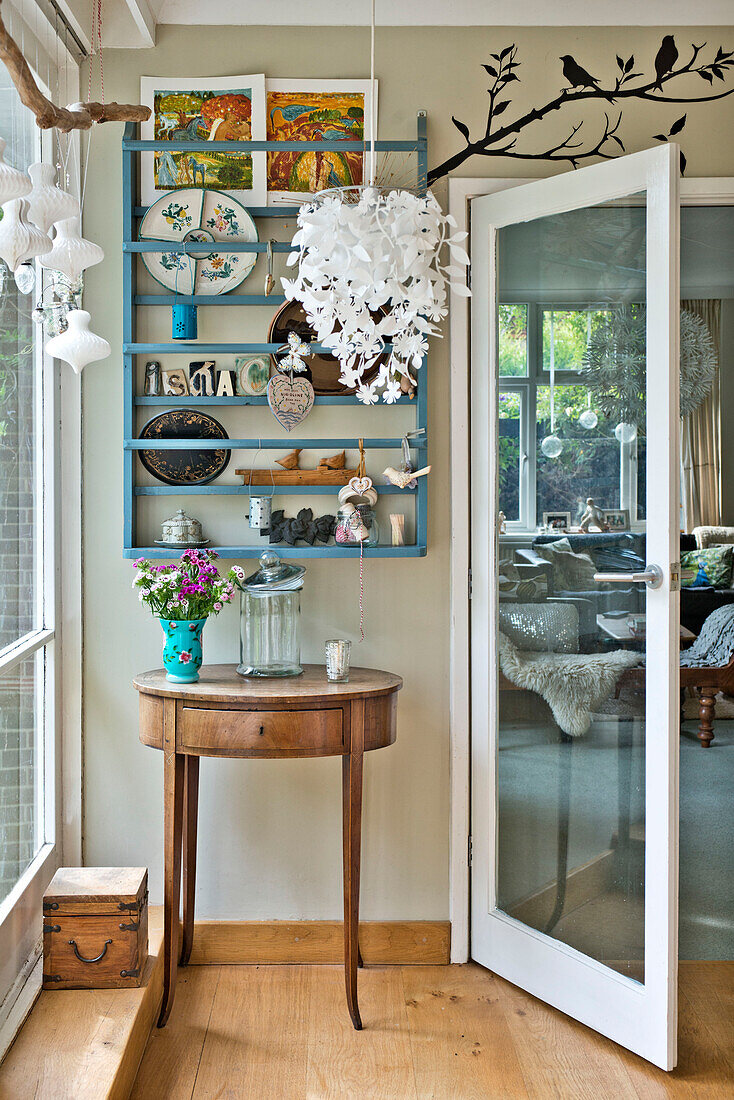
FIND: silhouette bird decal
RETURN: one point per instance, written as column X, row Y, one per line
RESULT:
column 577, row 76
column 665, row 59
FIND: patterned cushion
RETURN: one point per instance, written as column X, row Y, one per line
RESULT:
column 512, row 584
column 571, row 572
column 707, row 568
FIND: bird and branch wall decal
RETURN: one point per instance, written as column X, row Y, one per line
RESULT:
column 672, row 77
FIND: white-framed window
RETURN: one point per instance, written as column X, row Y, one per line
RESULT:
column 533, row 337
column 36, row 473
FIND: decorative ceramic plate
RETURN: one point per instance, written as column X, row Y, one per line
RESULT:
column 196, row 215
column 184, row 467
column 324, row 369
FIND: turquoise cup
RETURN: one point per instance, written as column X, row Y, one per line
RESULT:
column 182, row 654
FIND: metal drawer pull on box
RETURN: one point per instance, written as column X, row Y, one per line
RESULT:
column 81, row 957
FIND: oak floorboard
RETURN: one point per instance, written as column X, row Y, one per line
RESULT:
column 171, row 1060
column 257, row 1042
column 375, row 1063
column 459, row 1037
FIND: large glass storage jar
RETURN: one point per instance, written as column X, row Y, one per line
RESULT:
column 270, row 605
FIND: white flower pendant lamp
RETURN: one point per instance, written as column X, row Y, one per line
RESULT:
column 77, row 345
column 48, row 202
column 13, row 184
column 71, row 253
column 370, row 273
column 20, row 239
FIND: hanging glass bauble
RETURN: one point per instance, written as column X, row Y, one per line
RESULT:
column 25, row 278
column 71, row 253
column 77, row 345
column 551, row 446
column 588, row 419
column 625, row 432
column 13, row 184
column 20, row 239
column 48, row 203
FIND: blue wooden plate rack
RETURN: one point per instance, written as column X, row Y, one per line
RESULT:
column 131, row 246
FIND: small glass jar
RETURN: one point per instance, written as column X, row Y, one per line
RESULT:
column 357, row 524
column 270, row 605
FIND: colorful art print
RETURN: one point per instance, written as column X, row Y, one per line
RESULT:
column 617, row 519
column 253, row 374
column 217, row 109
column 315, row 110
column 557, row 521
column 175, row 382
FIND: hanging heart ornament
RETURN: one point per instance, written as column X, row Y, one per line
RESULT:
column 360, row 484
column 290, row 400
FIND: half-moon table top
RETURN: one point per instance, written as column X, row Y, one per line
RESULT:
column 223, row 684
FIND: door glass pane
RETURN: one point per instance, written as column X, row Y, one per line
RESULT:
column 571, row 783
column 20, row 768
column 513, row 340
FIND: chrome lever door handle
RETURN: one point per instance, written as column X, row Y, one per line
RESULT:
column 652, row 577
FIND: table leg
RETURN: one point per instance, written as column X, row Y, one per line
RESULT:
column 173, row 772
column 190, row 814
column 706, row 715
column 352, row 836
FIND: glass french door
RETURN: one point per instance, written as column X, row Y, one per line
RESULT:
column 575, row 633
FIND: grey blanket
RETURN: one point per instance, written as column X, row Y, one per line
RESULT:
column 714, row 646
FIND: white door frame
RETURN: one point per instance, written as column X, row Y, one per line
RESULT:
column 704, row 191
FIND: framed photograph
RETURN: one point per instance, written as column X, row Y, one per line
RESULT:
column 175, row 382
column 557, row 521
column 617, row 519
column 230, row 108
column 315, row 110
column 253, row 374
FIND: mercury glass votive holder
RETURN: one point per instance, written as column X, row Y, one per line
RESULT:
column 337, row 660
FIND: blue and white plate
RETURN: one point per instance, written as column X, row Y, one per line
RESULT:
column 196, row 215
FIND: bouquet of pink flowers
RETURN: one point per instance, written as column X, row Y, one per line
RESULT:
column 189, row 589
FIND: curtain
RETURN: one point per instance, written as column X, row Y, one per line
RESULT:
column 701, row 437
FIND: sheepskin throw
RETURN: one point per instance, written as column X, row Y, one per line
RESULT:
column 572, row 684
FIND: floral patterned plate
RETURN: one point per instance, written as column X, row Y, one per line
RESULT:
column 196, row 215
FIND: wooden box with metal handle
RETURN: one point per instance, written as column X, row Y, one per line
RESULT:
column 95, row 928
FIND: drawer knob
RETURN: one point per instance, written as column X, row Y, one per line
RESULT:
column 97, row 959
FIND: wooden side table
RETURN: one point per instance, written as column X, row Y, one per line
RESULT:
column 224, row 714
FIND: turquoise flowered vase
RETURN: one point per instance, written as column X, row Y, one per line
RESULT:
column 182, row 651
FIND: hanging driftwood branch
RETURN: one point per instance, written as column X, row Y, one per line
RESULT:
column 78, row 116
column 500, row 137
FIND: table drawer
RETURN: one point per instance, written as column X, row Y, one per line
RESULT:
column 261, row 732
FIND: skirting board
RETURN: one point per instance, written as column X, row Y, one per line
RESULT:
column 397, row 942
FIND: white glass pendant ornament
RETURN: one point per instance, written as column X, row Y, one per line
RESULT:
column 71, row 253
column 77, row 345
column 588, row 419
column 25, row 278
column 551, row 446
column 20, row 239
column 48, row 203
column 13, row 184
column 625, row 433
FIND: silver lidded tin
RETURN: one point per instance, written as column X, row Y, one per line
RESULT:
column 181, row 530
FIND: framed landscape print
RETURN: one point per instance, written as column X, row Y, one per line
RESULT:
column 228, row 108
column 315, row 110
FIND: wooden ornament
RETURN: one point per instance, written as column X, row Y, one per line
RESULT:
column 290, row 400
column 397, row 528
column 330, row 471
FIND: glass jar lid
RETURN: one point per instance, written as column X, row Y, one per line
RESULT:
column 274, row 575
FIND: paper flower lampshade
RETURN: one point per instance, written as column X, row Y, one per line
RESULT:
column 48, row 202
column 371, row 273
column 13, row 184
column 71, row 253
column 77, row 345
column 20, row 239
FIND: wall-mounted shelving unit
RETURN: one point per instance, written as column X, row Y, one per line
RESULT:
column 133, row 546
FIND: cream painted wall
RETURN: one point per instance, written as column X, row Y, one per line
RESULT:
column 269, row 835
